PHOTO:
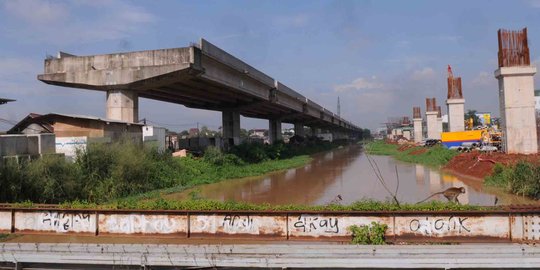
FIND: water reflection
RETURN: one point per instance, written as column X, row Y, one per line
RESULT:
column 347, row 172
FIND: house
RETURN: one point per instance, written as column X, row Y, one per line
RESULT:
column 73, row 131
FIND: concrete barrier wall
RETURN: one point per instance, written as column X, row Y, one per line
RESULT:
column 402, row 227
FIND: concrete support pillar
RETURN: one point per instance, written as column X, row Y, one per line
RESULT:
column 516, row 101
column 431, row 122
column 439, row 125
column 315, row 131
column 274, row 131
column 123, row 105
column 456, row 114
column 231, row 128
column 299, row 129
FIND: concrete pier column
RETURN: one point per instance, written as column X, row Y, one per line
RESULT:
column 299, row 129
column 231, row 128
column 456, row 114
column 432, row 127
column 516, row 101
column 123, row 105
column 274, row 130
column 439, row 125
column 314, row 131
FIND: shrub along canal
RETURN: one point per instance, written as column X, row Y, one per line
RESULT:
column 346, row 171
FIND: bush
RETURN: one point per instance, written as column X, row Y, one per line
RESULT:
column 523, row 179
column 372, row 234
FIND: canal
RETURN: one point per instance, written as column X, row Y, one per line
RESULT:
column 347, row 172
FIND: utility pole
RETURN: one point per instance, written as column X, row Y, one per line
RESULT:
column 338, row 107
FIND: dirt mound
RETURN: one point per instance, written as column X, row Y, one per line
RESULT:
column 418, row 151
column 480, row 165
column 405, row 147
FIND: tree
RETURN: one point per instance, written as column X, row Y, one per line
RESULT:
column 184, row 133
column 244, row 134
column 366, row 134
column 472, row 114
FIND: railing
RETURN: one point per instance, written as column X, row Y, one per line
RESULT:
column 403, row 226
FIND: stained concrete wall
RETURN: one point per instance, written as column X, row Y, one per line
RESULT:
column 417, row 125
column 456, row 114
column 32, row 144
column 326, row 226
column 432, row 125
column 517, row 105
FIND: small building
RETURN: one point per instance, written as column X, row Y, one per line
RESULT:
column 75, row 131
column 258, row 133
column 156, row 136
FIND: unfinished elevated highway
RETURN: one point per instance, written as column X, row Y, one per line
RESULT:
column 200, row 76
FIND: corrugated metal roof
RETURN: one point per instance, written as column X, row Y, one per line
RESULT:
column 78, row 116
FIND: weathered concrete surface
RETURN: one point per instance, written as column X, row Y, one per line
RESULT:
column 431, row 126
column 5, row 221
column 452, row 227
column 299, row 129
column 143, row 224
column 231, row 128
column 323, row 226
column 55, row 221
column 316, row 226
column 307, row 256
column 518, row 115
column 456, row 114
column 200, row 76
column 238, row 224
column 123, row 105
column 417, row 125
column 274, row 130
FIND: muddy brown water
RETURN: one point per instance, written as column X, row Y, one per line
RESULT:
column 347, row 172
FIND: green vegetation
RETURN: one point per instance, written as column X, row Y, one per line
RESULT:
column 108, row 172
column 523, row 179
column 203, row 204
column 4, row 237
column 372, row 234
column 432, row 156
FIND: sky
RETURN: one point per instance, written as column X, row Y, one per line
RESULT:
column 380, row 57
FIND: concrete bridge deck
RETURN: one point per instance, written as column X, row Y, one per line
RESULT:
column 200, row 76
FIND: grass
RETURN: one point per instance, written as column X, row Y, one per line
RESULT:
column 211, row 205
column 522, row 179
column 109, row 172
column 433, row 156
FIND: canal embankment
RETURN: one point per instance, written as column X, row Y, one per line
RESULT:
column 107, row 172
column 515, row 173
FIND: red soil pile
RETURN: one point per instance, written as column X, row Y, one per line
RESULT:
column 405, row 147
column 418, row 151
column 480, row 165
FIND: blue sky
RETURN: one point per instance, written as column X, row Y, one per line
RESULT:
column 381, row 57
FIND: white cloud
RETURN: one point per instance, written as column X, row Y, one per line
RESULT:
column 534, row 3
column 484, row 78
column 359, row 84
column 451, row 38
column 298, row 20
column 36, row 11
column 58, row 23
column 426, row 73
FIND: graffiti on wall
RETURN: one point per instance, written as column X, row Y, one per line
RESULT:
column 238, row 224
column 56, row 221
column 307, row 223
column 447, row 226
column 140, row 223
column 328, row 226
